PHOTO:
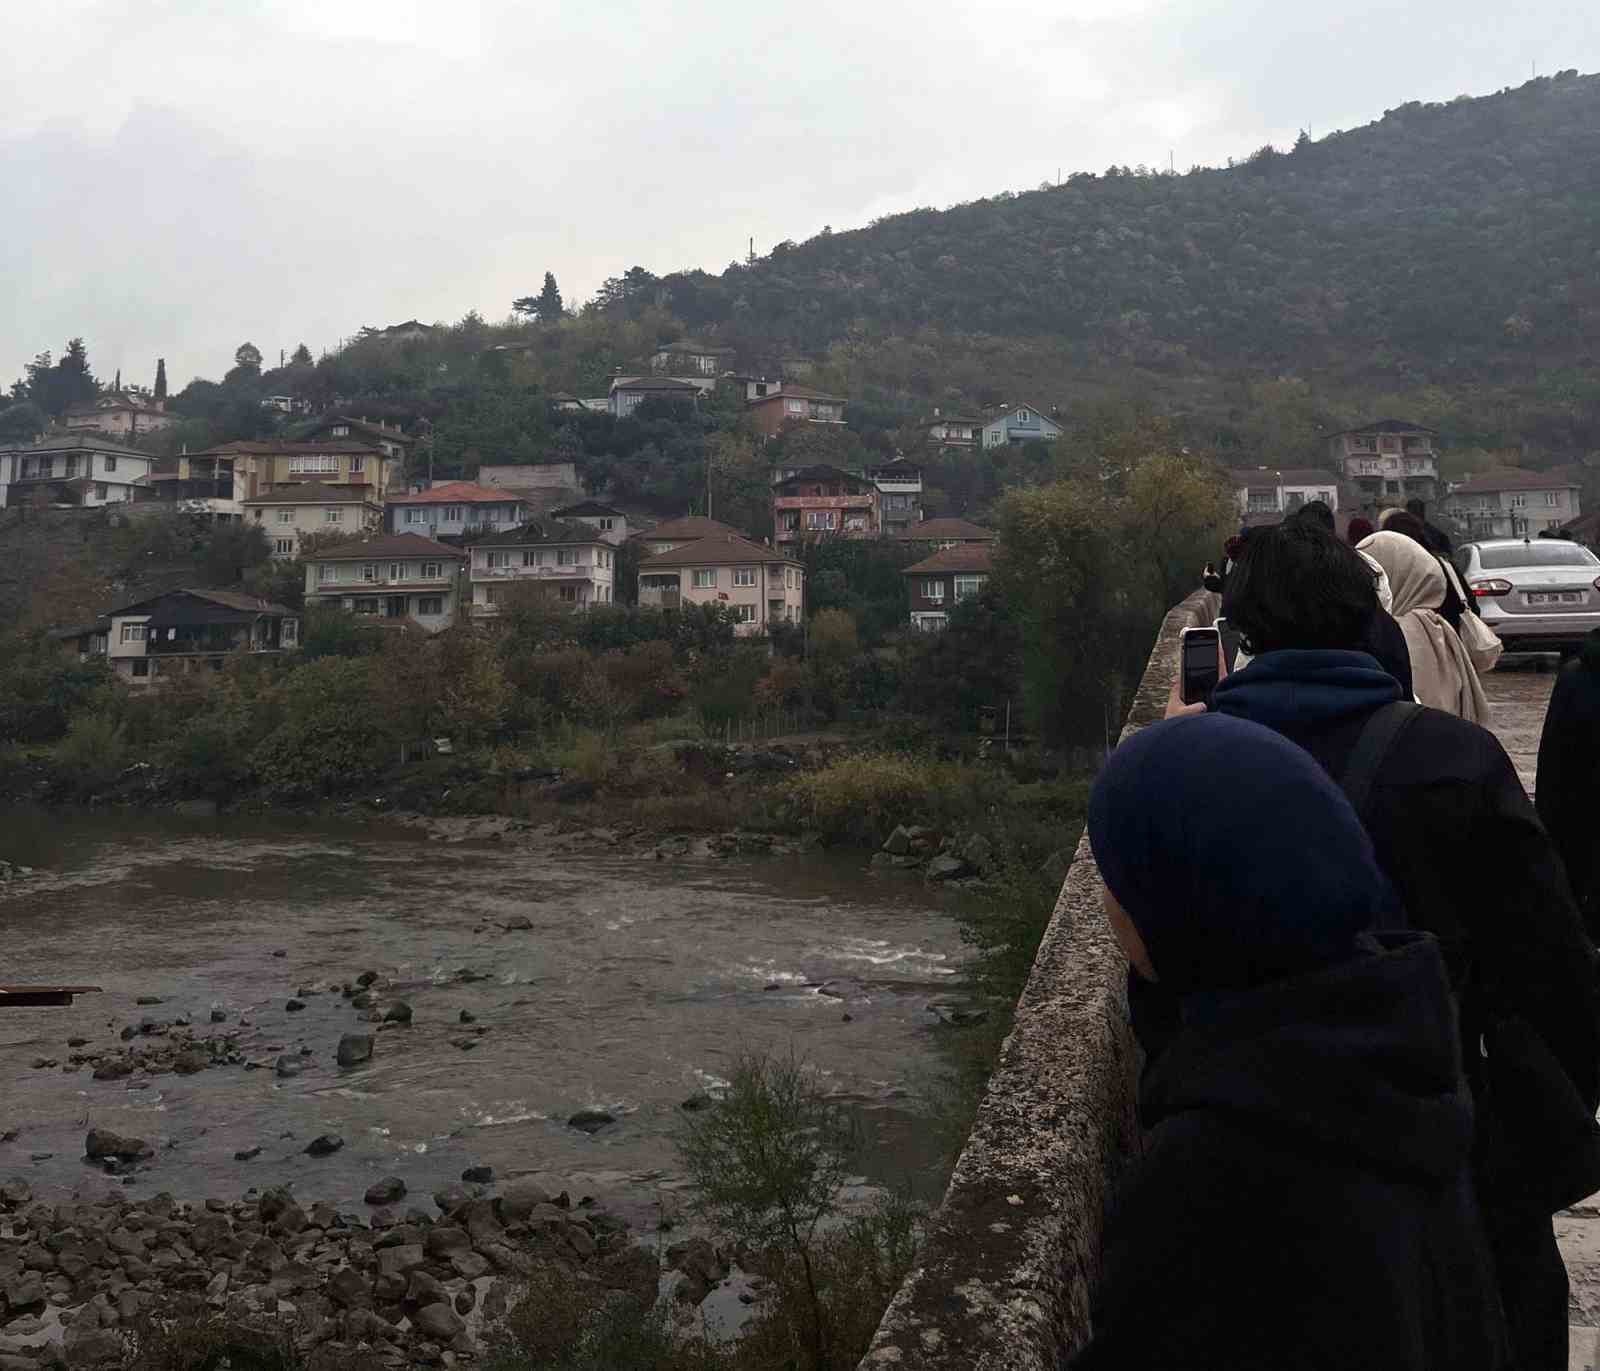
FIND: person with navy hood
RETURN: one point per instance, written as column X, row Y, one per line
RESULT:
column 1304, row 1196
column 1456, row 835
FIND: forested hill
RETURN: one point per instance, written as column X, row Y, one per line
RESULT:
column 1441, row 239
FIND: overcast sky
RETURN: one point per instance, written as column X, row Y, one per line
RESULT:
column 177, row 176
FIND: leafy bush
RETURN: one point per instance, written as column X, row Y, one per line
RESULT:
column 331, row 738
column 860, row 799
column 93, row 754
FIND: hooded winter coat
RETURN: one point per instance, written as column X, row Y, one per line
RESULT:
column 1303, row 1200
column 1568, row 793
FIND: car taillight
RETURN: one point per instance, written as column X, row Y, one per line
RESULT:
column 1484, row 589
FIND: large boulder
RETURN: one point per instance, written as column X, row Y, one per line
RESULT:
column 978, row 852
column 399, row 1012
column 519, row 1200
column 590, row 1120
column 355, row 1048
column 438, row 1321
column 946, row 867
column 899, row 842
column 386, row 1191
column 325, row 1146
column 102, row 1143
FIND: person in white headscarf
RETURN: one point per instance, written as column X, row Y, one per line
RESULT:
column 1442, row 673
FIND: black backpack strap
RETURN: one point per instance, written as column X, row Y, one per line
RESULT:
column 1378, row 736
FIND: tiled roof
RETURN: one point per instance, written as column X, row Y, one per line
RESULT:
column 386, row 545
column 1282, row 476
column 729, row 549
column 1386, row 426
column 592, row 508
column 962, row 557
column 953, row 419
column 377, row 430
column 75, row 442
column 228, row 599
column 822, row 472
column 687, row 529
column 459, row 493
column 938, row 530
column 263, row 449
column 796, row 393
column 1512, row 478
column 691, row 345
column 664, row 383
column 544, row 533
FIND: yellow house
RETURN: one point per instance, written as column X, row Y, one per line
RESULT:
column 288, row 514
column 760, row 586
column 266, row 467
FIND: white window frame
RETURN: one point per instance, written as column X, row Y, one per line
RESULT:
column 132, row 633
column 933, row 589
column 744, row 614
column 1519, row 501
column 743, row 576
column 283, row 546
column 968, row 586
column 431, row 572
column 425, row 601
column 333, row 516
column 357, row 465
column 452, row 514
column 1552, row 498
column 290, row 635
column 110, row 462
column 607, row 524
column 704, row 578
column 286, row 516
column 314, row 463
column 397, row 571
column 497, row 558
column 414, row 515
column 566, row 556
column 327, row 572
column 340, row 430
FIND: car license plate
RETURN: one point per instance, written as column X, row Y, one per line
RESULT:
column 1563, row 597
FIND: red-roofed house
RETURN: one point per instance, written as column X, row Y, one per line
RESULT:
column 941, row 533
column 937, row 582
column 760, row 586
column 452, row 507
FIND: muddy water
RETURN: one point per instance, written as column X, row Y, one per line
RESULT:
column 636, row 986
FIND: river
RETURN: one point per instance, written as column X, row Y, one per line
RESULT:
column 637, row 985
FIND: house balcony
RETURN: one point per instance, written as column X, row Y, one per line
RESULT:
column 899, row 487
column 582, row 571
column 659, row 597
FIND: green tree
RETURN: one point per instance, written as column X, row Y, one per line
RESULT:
column 768, row 1164
column 1177, row 512
column 331, row 737
column 301, row 356
column 22, row 423
column 546, row 306
column 230, row 550
column 247, row 359
column 160, row 390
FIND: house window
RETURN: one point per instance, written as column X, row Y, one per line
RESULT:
column 495, row 560
column 397, row 571
column 430, row 604
column 566, row 556
column 795, row 406
column 491, row 515
column 285, row 516
column 968, row 586
column 705, row 578
column 284, row 547
column 291, row 632
column 102, row 491
column 744, row 576
column 820, row 518
column 141, row 667
column 744, row 614
column 606, row 525
column 430, row 571
column 333, row 516
column 319, row 463
column 933, row 590
column 111, row 462
column 340, row 430
column 788, row 578
column 416, row 516
column 452, row 514
column 530, row 557
column 1519, row 502
column 357, row 465
column 569, row 594
column 367, row 604
column 1023, row 416
column 369, row 571
column 133, row 633
column 1551, row 498
column 327, row 572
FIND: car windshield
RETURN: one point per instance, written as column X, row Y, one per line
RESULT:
column 1544, row 553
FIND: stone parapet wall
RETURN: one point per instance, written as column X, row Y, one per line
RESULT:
column 1010, row 1258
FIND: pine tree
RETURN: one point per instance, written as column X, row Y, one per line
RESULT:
column 301, row 356
column 547, row 306
column 161, row 378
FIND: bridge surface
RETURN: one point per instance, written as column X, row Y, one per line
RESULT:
column 1008, row 1265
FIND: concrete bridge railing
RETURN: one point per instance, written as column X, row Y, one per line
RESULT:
column 1008, row 1265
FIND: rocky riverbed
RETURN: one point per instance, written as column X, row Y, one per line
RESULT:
column 410, row 1280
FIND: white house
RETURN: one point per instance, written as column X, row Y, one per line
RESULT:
column 75, row 469
column 612, row 523
column 1514, row 503
column 1019, row 424
column 289, row 513
column 572, row 562
column 394, row 577
column 1282, row 490
column 760, row 586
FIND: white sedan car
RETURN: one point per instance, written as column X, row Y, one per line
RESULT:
column 1538, row 594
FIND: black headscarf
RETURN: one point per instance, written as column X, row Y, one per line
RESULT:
column 1236, row 857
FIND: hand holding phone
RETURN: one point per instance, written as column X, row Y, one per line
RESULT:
column 1200, row 666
